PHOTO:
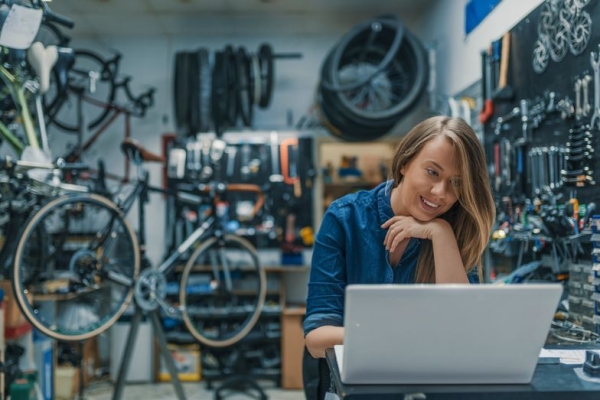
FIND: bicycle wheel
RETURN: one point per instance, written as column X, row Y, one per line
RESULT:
column 222, row 291
column 91, row 75
column 77, row 282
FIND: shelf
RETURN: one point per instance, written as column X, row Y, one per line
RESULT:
column 294, row 311
column 62, row 296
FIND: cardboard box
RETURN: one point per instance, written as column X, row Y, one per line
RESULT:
column 187, row 363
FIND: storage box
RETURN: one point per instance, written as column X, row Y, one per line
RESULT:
column 66, row 382
column 187, row 363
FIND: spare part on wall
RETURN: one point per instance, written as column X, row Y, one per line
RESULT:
column 371, row 79
column 559, row 41
column 562, row 25
column 224, row 93
column 540, row 54
column 581, row 31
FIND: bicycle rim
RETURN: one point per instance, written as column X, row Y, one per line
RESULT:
column 66, row 266
column 222, row 291
column 64, row 114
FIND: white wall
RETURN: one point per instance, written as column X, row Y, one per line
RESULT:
column 458, row 57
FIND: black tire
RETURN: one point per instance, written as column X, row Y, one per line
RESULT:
column 244, row 92
column 220, row 94
column 193, row 94
column 64, row 114
column 230, row 70
column 68, row 290
column 267, row 73
column 412, row 59
column 180, row 94
column 395, row 86
column 217, row 315
column 204, row 90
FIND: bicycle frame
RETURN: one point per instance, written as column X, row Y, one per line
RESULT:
column 17, row 88
column 208, row 228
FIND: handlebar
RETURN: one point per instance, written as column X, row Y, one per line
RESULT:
column 60, row 19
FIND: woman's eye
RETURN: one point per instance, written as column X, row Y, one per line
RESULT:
column 431, row 172
column 456, row 183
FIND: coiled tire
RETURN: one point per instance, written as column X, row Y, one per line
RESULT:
column 362, row 109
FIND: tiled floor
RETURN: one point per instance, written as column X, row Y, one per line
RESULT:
column 194, row 391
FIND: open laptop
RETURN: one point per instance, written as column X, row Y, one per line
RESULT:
column 445, row 334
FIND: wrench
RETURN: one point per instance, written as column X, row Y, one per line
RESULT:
column 595, row 61
column 586, row 107
column 578, row 110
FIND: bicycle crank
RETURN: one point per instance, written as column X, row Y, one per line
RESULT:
column 150, row 289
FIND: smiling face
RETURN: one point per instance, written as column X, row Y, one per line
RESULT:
column 430, row 182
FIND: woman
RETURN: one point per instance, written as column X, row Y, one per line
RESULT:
column 429, row 224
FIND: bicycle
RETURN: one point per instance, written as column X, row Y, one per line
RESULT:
column 18, row 80
column 94, row 264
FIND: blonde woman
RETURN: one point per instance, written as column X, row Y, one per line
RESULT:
column 429, row 224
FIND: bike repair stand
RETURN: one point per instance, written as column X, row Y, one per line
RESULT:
column 162, row 345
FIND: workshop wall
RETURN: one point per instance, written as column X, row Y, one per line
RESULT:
column 458, row 62
column 149, row 60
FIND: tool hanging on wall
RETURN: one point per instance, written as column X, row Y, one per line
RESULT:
column 504, row 92
column 488, row 106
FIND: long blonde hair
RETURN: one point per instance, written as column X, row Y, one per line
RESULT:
column 473, row 214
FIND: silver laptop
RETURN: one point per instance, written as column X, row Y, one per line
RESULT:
column 445, row 334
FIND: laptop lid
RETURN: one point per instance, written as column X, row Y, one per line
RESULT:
column 445, row 334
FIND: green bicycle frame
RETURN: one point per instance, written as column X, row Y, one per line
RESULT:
column 18, row 91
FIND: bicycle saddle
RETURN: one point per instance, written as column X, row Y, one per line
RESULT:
column 136, row 153
column 42, row 59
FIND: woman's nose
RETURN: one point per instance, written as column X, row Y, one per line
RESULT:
column 439, row 189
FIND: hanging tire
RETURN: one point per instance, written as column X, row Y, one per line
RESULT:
column 371, row 79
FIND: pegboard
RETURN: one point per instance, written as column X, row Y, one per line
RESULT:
column 552, row 131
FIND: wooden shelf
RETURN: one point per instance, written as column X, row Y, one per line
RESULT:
column 294, row 311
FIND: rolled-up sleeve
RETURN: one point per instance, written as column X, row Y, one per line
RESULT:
column 473, row 276
column 325, row 301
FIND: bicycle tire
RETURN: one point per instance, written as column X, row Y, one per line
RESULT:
column 244, row 93
column 77, row 305
column 219, row 93
column 204, row 89
column 267, row 68
column 66, row 118
column 230, row 69
column 189, row 311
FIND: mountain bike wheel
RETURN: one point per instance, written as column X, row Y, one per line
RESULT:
column 222, row 291
column 78, row 281
column 91, row 75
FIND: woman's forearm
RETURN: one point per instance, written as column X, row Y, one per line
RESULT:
column 323, row 338
column 449, row 267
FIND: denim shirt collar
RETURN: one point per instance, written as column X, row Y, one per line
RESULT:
column 384, row 201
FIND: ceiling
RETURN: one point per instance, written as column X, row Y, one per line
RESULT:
column 227, row 17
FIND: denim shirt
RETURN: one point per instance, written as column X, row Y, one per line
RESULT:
column 349, row 249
